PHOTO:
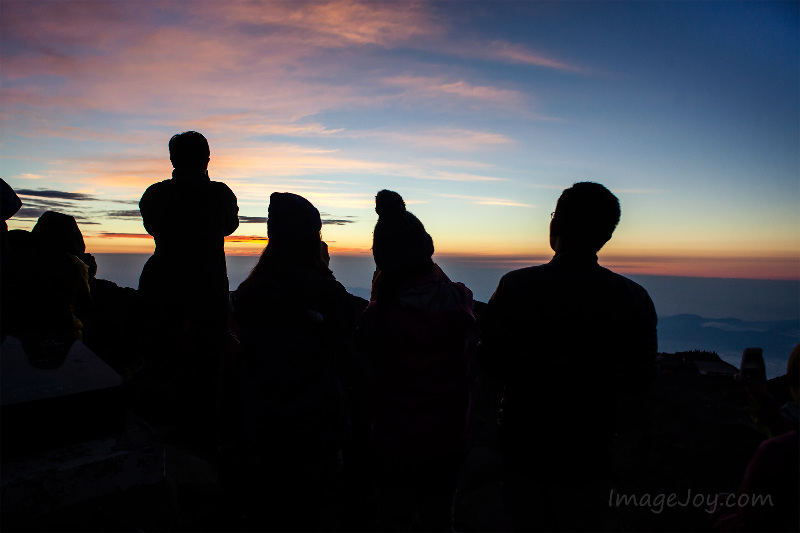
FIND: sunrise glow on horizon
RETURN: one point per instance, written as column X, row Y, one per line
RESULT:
column 478, row 113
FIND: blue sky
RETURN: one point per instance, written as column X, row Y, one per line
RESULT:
column 478, row 113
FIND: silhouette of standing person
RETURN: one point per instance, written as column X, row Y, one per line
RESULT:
column 295, row 321
column 567, row 338
column 185, row 283
column 415, row 332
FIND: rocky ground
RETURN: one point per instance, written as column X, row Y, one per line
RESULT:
column 691, row 435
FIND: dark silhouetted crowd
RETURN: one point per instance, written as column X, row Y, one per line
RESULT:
column 291, row 386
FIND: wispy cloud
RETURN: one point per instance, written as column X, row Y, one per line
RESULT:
column 460, row 176
column 256, row 124
column 455, row 139
column 459, row 163
column 121, row 172
column 515, row 53
column 638, row 191
column 339, row 22
column 419, row 86
column 481, row 200
column 342, row 200
column 270, row 162
column 269, row 58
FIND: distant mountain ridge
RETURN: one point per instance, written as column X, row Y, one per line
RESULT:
column 728, row 337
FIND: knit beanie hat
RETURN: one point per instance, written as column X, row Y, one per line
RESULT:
column 291, row 217
column 399, row 241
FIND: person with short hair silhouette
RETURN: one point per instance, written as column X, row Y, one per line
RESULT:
column 415, row 331
column 189, row 217
column 184, row 286
column 567, row 338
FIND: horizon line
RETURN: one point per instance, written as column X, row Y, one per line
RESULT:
column 765, row 268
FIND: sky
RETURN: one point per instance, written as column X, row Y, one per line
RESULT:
column 478, row 113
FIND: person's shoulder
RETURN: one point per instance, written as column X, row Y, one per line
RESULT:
column 157, row 188
column 163, row 184
column 525, row 275
column 625, row 285
column 440, row 279
column 777, row 455
column 785, row 441
column 331, row 283
column 461, row 289
column 220, row 187
column 155, row 194
column 449, row 294
column 319, row 283
column 627, row 282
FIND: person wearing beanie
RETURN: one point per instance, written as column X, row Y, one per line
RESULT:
column 287, row 403
column 415, row 331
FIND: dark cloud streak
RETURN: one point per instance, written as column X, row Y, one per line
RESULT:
column 29, row 213
column 127, row 214
column 244, row 219
column 62, row 195
column 111, row 234
column 36, row 202
column 347, row 219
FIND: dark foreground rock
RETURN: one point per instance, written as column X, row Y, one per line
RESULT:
column 688, row 440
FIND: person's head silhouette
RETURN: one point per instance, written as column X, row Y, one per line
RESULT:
column 585, row 218
column 291, row 217
column 399, row 242
column 59, row 232
column 189, row 151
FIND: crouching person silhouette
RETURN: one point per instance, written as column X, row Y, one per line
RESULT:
column 185, row 289
column 50, row 292
column 415, row 332
column 567, row 338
